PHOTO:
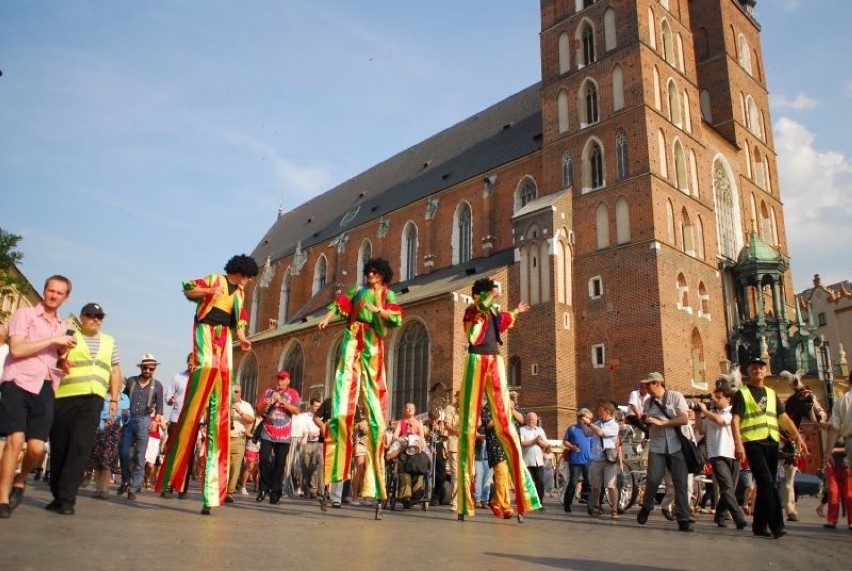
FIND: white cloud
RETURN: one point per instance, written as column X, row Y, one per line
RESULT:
column 816, row 187
column 801, row 101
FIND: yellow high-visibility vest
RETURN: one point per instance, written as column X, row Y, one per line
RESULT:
column 757, row 424
column 88, row 375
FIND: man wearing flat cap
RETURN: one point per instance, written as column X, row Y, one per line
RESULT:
column 757, row 414
column 146, row 407
column 93, row 374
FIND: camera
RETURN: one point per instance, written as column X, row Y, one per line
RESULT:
column 692, row 401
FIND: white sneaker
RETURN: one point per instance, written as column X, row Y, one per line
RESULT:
column 243, row 491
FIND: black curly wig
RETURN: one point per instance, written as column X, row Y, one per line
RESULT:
column 482, row 285
column 242, row 264
column 381, row 267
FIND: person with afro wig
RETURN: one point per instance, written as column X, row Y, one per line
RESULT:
column 369, row 310
column 219, row 312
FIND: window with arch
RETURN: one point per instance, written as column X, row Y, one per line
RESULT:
column 670, row 226
column 652, row 29
column 564, row 264
column 675, row 112
column 759, row 169
column 706, row 107
column 602, row 226
column 332, row 362
column 703, row 301
column 744, row 54
column 774, row 223
column 687, row 120
column 753, row 119
column 699, row 237
column 588, row 104
column 593, row 166
column 668, row 43
column 727, row 219
column 567, row 170
column 462, row 233
column 408, row 263
column 365, row 252
column 562, row 110
column 682, row 292
column 767, row 231
column 320, row 275
column 564, row 45
column 294, row 363
column 697, row 357
column 693, row 173
column 622, row 221
column 681, row 174
column 586, row 43
column 255, row 310
column 657, row 99
column 284, row 297
column 622, row 164
column 248, row 377
column 527, row 192
column 535, row 276
column 411, row 364
column 679, row 53
column 617, row 88
column 686, row 234
column 661, row 150
column 514, row 371
column 610, row 40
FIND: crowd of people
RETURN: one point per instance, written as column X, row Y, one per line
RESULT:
column 475, row 451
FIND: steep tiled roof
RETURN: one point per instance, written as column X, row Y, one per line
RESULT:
column 509, row 130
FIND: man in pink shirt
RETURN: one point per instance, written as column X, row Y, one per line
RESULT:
column 36, row 340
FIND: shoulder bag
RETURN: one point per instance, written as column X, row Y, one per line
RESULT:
column 691, row 452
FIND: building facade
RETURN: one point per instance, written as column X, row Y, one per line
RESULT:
column 630, row 197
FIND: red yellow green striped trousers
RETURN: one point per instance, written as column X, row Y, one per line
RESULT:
column 208, row 394
column 487, row 374
column 360, row 379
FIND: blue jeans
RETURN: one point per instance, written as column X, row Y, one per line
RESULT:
column 575, row 472
column 482, row 481
column 134, row 433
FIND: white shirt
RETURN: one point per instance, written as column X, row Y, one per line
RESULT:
column 720, row 440
column 533, row 455
column 841, row 415
column 638, row 401
column 601, row 443
column 313, row 431
column 177, row 389
column 4, row 350
column 240, row 409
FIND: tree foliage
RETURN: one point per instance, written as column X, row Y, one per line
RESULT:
column 11, row 281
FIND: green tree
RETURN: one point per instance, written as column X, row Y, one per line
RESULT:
column 11, row 281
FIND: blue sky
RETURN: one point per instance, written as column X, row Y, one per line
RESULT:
column 145, row 143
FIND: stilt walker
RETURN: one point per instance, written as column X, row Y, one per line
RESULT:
column 220, row 310
column 486, row 373
column 370, row 310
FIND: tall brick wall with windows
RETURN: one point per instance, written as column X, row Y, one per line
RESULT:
column 662, row 306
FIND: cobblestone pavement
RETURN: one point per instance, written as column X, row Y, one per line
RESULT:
column 154, row 533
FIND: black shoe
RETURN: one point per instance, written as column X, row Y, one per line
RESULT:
column 15, row 496
column 684, row 526
column 668, row 514
column 229, row 499
column 406, row 503
column 205, row 510
column 66, row 509
column 830, row 525
column 274, row 498
column 779, row 533
column 166, row 494
column 759, row 533
column 122, row 489
column 720, row 522
column 642, row 516
column 742, row 524
column 5, row 511
column 46, row 477
column 53, row 506
column 260, row 496
column 182, row 495
column 568, row 509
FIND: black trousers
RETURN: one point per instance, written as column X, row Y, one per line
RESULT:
column 537, row 473
column 575, row 471
column 273, row 457
column 72, row 437
column 763, row 459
